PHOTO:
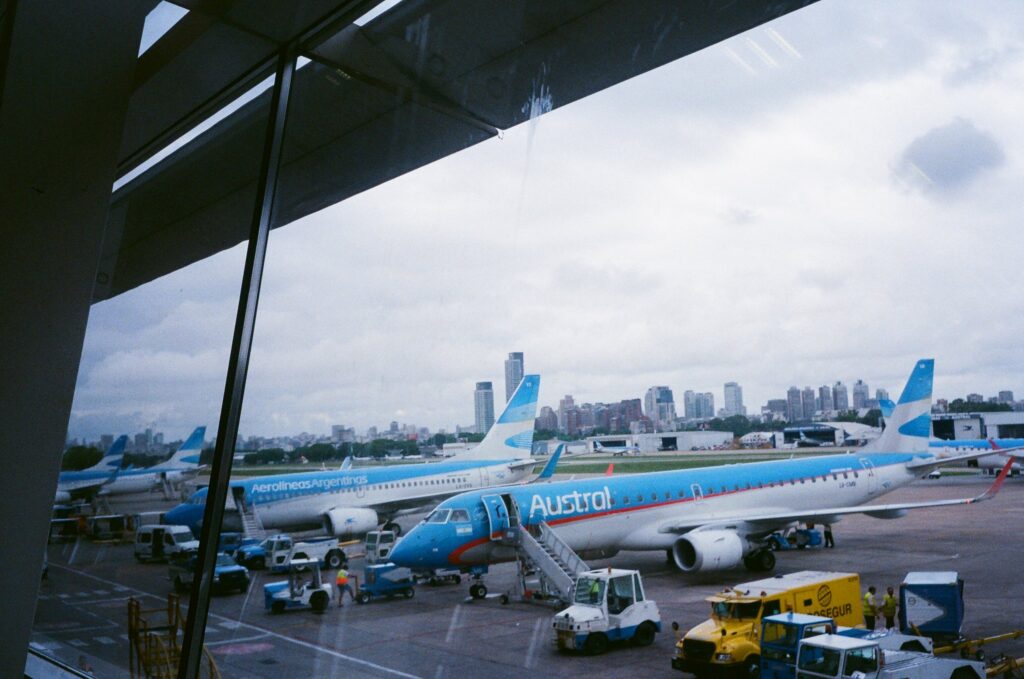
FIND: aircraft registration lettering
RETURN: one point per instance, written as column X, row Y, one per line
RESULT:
column 571, row 503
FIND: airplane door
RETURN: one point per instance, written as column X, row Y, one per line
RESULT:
column 484, row 478
column 361, row 489
column 869, row 477
column 698, row 492
column 497, row 515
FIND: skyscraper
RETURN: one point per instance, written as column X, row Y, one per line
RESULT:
column 807, row 402
column 840, row 397
column 513, row 373
column 734, row 400
column 689, row 405
column 483, row 407
column 861, row 394
column 564, row 406
column 705, row 405
column 660, row 408
column 881, row 394
column 794, row 406
column 825, row 401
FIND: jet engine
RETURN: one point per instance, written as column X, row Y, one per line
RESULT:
column 708, row 550
column 349, row 521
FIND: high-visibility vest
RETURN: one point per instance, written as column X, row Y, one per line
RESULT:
column 870, row 607
column 889, row 605
column 342, row 578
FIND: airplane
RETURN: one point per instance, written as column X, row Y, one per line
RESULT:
column 988, row 462
column 616, row 450
column 183, row 464
column 706, row 519
column 353, row 501
column 84, row 483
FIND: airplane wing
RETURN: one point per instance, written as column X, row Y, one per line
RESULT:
column 929, row 463
column 757, row 524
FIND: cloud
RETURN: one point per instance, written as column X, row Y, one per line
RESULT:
column 947, row 159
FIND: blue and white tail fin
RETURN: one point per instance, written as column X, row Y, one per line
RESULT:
column 187, row 456
column 511, row 435
column 111, row 461
column 549, row 468
column 886, row 406
column 909, row 425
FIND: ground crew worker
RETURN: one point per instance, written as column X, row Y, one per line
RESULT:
column 889, row 609
column 343, row 586
column 870, row 608
column 829, row 541
column 595, row 590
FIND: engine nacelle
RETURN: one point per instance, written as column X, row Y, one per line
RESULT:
column 708, row 550
column 346, row 522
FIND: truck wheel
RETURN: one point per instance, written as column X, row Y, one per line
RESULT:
column 478, row 591
column 277, row 607
column 504, row 599
column 318, row 602
column 644, row 635
column 752, row 666
column 300, row 555
column 333, row 559
column 409, row 593
column 363, row 598
column 596, row 644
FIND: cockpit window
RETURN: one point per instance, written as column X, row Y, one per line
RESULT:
column 439, row 516
column 460, row 516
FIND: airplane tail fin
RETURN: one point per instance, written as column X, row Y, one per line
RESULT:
column 511, row 435
column 187, row 456
column 909, row 426
column 549, row 468
column 886, row 406
column 114, row 456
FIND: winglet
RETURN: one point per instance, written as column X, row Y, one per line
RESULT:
column 549, row 468
column 610, row 470
column 998, row 483
column 346, row 463
column 886, row 406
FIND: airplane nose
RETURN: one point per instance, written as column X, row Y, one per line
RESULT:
column 411, row 551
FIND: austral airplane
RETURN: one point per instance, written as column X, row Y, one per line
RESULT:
column 356, row 500
column 86, row 482
column 616, row 450
column 706, row 519
column 183, row 464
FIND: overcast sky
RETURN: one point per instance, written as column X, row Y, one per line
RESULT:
column 828, row 197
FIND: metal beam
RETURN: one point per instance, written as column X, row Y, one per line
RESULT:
column 238, row 366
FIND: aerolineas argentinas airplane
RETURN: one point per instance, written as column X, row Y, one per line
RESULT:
column 354, row 501
column 86, row 482
column 183, row 464
column 707, row 519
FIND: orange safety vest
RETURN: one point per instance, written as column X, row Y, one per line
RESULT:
column 342, row 578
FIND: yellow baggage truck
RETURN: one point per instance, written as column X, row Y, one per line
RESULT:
column 728, row 644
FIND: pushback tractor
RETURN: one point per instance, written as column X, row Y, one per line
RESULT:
column 608, row 606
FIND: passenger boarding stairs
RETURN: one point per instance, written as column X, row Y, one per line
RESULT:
column 252, row 527
column 554, row 561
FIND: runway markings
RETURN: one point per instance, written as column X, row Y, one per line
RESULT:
column 106, row 641
column 453, row 624
column 298, row 642
column 539, row 629
column 78, row 642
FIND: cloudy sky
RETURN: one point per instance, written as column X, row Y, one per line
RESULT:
column 828, row 197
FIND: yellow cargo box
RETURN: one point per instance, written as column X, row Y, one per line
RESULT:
column 728, row 644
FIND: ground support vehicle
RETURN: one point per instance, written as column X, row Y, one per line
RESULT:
column 781, row 636
column 278, row 551
column 972, row 648
column 230, row 542
column 304, row 588
column 834, row 656
column 379, row 544
column 608, row 605
column 799, row 538
column 227, row 575
column 728, row 643
column 158, row 543
column 932, row 604
column 385, row 580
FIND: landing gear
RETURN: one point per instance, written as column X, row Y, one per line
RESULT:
column 760, row 561
column 392, row 526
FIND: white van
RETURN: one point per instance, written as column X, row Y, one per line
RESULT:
column 157, row 543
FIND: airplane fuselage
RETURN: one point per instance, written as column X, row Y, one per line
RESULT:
column 607, row 514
